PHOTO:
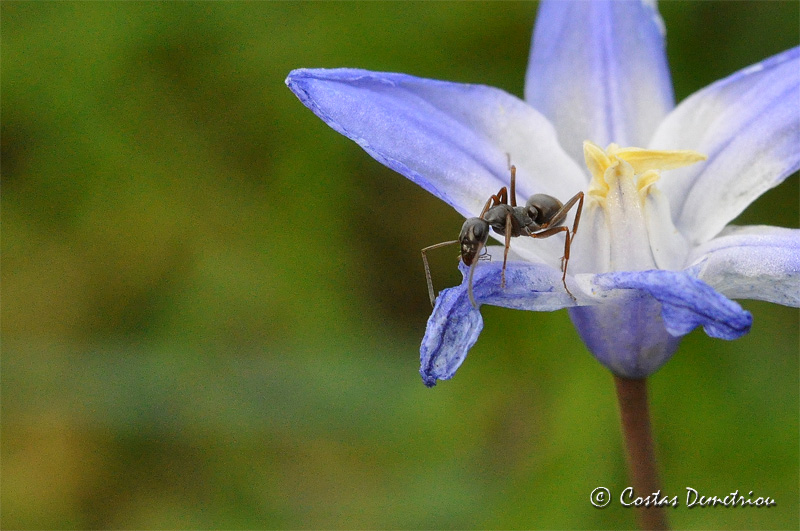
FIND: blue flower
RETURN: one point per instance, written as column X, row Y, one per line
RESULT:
column 654, row 256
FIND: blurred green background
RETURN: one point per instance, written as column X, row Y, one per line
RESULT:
column 213, row 303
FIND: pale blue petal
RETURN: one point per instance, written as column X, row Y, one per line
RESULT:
column 450, row 138
column 668, row 245
column 598, row 70
column 453, row 328
column 748, row 125
column 591, row 248
column 454, row 325
column 626, row 334
column 756, row 262
column 687, row 302
column 637, row 329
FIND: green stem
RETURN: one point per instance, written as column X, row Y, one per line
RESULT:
column 642, row 466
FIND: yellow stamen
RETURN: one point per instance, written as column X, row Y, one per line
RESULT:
column 646, row 180
column 647, row 165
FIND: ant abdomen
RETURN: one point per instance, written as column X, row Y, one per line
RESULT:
column 542, row 208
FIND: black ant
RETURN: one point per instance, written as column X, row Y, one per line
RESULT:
column 541, row 217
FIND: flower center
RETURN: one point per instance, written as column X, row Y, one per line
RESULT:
column 642, row 167
column 636, row 217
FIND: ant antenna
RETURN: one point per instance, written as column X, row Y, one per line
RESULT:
column 428, row 269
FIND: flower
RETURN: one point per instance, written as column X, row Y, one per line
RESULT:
column 654, row 256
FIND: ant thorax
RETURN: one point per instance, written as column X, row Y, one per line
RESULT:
column 521, row 221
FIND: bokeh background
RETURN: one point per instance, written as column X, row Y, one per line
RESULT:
column 212, row 304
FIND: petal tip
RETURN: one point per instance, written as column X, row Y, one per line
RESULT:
column 294, row 75
column 733, row 329
column 428, row 379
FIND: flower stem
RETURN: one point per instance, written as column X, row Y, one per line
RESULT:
column 642, row 466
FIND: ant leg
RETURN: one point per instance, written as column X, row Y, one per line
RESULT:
column 469, row 285
column 559, row 216
column 505, row 251
column 487, row 206
column 513, row 170
column 500, row 198
column 571, row 235
column 503, row 196
column 577, row 197
column 428, row 269
column 564, row 259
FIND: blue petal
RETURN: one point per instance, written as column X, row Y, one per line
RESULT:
column 686, row 302
column 450, row 138
column 749, row 126
column 453, row 328
column 635, row 332
column 454, row 325
column 756, row 262
column 626, row 334
column 598, row 70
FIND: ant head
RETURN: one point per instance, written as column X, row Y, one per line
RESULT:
column 474, row 234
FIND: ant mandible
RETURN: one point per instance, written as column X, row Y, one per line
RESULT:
column 541, row 217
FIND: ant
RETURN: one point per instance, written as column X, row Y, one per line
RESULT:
column 541, row 217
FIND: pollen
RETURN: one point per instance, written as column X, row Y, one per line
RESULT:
column 644, row 166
